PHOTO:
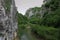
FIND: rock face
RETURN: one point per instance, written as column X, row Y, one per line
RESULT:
column 8, row 21
column 33, row 12
column 40, row 11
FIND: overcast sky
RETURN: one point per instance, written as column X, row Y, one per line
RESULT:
column 23, row 5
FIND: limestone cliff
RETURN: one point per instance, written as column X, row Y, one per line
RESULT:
column 8, row 20
column 47, row 7
column 33, row 12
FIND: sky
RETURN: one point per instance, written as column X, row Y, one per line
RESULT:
column 23, row 5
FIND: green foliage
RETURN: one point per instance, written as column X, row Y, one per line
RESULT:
column 52, row 19
column 47, row 5
column 53, row 4
column 22, row 19
column 46, row 27
column 35, row 20
column 36, row 9
column 45, row 32
column 7, row 5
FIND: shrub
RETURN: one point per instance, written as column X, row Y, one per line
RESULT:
column 47, row 33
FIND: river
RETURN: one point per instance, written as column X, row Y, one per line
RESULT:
column 24, row 37
column 27, row 35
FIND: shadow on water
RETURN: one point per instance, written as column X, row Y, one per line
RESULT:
column 24, row 37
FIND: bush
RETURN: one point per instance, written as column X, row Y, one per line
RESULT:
column 47, row 33
column 52, row 19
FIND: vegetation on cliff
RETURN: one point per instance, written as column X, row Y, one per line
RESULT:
column 8, row 4
column 47, row 27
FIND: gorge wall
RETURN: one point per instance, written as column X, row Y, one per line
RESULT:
column 8, row 20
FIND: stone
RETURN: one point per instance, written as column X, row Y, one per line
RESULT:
column 8, row 23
